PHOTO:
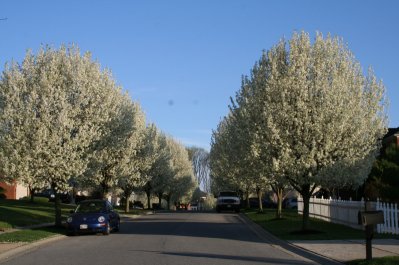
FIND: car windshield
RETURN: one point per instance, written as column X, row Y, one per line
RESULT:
column 90, row 207
column 228, row 194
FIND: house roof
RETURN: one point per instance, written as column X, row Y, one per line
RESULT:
column 391, row 131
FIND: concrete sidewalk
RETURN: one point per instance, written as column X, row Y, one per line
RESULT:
column 346, row 250
column 328, row 251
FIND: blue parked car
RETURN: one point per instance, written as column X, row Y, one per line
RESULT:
column 93, row 216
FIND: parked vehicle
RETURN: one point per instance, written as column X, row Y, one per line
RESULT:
column 194, row 207
column 266, row 203
column 228, row 200
column 49, row 193
column 137, row 205
column 290, row 203
column 93, row 216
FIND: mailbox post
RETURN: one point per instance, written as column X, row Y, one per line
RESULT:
column 368, row 219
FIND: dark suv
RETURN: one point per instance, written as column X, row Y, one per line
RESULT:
column 228, row 200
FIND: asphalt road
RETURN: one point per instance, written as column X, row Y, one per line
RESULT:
column 168, row 238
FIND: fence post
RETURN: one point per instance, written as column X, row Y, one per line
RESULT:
column 378, row 207
column 396, row 219
column 386, row 219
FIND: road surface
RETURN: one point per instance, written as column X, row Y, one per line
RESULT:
column 171, row 239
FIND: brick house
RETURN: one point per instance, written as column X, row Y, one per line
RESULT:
column 14, row 191
column 392, row 136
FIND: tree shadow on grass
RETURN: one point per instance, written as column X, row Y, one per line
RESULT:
column 307, row 232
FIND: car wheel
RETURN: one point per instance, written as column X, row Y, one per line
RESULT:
column 107, row 230
column 238, row 210
column 118, row 225
column 71, row 233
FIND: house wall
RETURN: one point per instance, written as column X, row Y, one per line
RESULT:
column 10, row 190
column 21, row 191
column 15, row 191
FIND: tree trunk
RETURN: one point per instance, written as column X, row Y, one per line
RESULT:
column 168, row 202
column 57, row 207
column 32, row 194
column 159, row 200
column 127, row 206
column 279, row 210
column 105, row 184
column 247, row 199
column 148, row 199
column 73, row 197
column 127, row 193
column 259, row 193
column 305, row 192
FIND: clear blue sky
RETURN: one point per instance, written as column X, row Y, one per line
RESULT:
column 182, row 60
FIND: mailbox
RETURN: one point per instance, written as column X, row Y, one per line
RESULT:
column 371, row 217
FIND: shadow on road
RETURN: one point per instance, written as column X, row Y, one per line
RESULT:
column 208, row 225
column 230, row 257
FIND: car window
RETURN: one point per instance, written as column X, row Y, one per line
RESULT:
column 109, row 206
column 91, row 207
column 228, row 194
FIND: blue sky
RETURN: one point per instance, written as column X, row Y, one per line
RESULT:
column 182, row 60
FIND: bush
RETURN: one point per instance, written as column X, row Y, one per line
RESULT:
column 2, row 195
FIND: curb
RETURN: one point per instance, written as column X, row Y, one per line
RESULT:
column 34, row 226
column 287, row 246
column 135, row 216
column 27, row 247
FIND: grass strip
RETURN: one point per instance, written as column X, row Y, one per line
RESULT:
column 25, row 213
column 289, row 227
column 31, row 235
column 391, row 260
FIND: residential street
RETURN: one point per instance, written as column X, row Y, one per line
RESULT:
column 169, row 238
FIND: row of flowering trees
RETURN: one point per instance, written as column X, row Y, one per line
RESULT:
column 306, row 116
column 64, row 120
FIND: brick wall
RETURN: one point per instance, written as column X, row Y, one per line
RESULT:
column 11, row 190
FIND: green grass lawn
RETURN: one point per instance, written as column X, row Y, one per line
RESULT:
column 376, row 261
column 31, row 235
column 288, row 228
column 15, row 213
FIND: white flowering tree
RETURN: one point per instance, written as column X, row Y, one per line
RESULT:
column 245, row 139
column 159, row 171
column 258, row 106
column 171, row 173
column 120, row 137
column 224, row 173
column 50, row 108
column 154, row 172
column 180, row 182
column 233, row 165
column 134, row 171
column 321, row 118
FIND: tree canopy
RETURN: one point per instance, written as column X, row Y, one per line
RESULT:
column 316, row 119
column 64, row 118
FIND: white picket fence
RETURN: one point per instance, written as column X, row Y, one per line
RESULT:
column 390, row 225
column 346, row 212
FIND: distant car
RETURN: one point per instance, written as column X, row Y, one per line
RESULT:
column 93, row 216
column 228, row 200
column 290, row 203
column 266, row 203
column 194, row 207
column 49, row 193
